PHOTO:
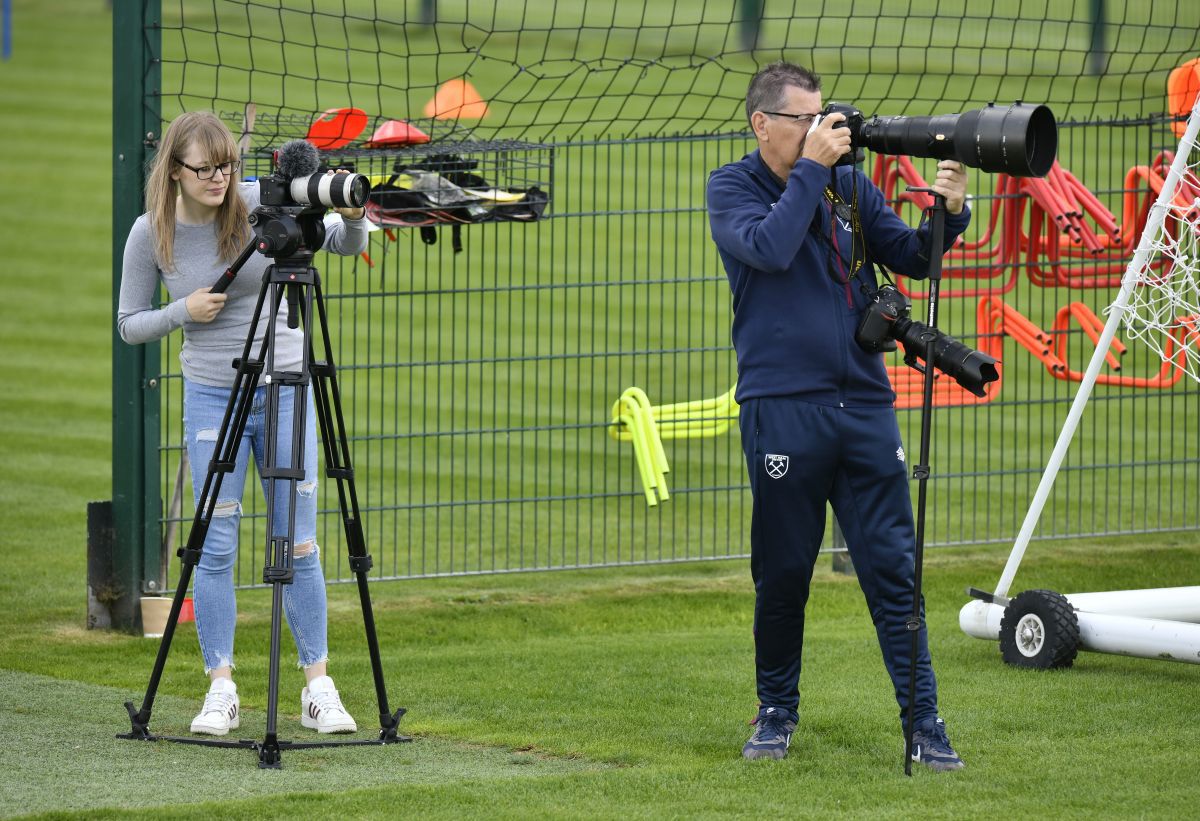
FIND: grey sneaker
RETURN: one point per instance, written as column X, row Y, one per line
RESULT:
column 932, row 748
column 773, row 730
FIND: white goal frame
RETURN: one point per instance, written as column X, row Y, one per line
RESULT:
column 1159, row 623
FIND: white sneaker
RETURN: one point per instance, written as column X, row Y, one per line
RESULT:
column 321, row 708
column 221, row 711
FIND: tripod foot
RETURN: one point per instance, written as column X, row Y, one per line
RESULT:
column 269, row 757
column 140, row 721
column 388, row 725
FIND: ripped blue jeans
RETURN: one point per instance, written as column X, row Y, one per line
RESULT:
column 213, row 593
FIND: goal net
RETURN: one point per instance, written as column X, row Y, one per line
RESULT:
column 576, row 70
column 1164, row 277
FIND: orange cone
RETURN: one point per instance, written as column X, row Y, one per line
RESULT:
column 1182, row 87
column 456, row 100
column 397, row 132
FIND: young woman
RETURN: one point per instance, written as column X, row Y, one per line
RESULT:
column 194, row 226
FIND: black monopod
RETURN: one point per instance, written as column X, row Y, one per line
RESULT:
column 1021, row 141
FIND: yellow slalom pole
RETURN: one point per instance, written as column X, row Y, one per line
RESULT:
column 628, row 417
column 642, row 424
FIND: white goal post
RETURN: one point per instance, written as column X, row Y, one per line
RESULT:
column 1159, row 304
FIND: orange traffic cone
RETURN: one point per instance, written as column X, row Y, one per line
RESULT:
column 397, row 132
column 456, row 100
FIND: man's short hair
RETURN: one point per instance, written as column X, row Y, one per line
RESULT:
column 767, row 87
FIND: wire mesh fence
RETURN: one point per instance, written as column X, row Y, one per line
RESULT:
column 484, row 362
column 480, row 385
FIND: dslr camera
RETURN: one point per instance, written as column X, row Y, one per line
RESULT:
column 887, row 320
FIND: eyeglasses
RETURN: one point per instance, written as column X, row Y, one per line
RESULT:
column 207, row 172
column 799, row 119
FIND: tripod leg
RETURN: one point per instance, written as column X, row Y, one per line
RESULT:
column 268, row 752
column 278, row 569
column 140, row 719
column 233, row 425
column 328, row 402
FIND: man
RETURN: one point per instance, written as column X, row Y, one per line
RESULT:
column 817, row 417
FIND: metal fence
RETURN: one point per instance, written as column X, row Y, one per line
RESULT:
column 480, row 384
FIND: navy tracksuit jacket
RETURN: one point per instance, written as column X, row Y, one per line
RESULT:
column 817, row 416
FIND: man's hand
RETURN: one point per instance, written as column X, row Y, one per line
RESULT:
column 828, row 142
column 349, row 213
column 951, row 183
column 203, row 306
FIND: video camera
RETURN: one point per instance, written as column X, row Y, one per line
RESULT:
column 293, row 200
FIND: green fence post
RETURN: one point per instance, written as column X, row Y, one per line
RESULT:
column 1097, row 51
column 750, row 22
column 137, row 42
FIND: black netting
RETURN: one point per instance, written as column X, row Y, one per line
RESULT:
column 558, row 70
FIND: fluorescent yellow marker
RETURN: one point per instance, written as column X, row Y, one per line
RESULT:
column 635, row 420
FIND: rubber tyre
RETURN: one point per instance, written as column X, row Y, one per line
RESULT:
column 1039, row 629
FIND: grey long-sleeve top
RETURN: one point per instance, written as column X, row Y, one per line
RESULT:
column 209, row 348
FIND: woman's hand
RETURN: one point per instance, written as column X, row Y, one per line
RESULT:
column 349, row 213
column 203, row 306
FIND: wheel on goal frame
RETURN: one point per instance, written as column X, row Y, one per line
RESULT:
column 1039, row 629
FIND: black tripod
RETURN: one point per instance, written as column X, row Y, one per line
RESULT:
column 937, row 229
column 292, row 279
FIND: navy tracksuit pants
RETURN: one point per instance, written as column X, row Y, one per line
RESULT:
column 801, row 455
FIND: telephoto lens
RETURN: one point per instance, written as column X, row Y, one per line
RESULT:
column 966, row 366
column 347, row 190
column 1020, row 140
column 887, row 319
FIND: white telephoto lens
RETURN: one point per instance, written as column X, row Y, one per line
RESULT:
column 330, row 190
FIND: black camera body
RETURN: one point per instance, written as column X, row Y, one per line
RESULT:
column 887, row 320
column 273, row 192
column 876, row 329
column 854, row 121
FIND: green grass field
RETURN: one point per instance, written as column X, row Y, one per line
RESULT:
column 610, row 693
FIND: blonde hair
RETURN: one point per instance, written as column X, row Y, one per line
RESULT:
column 216, row 144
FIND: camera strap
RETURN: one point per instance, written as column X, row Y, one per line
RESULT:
column 849, row 213
column 839, row 209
